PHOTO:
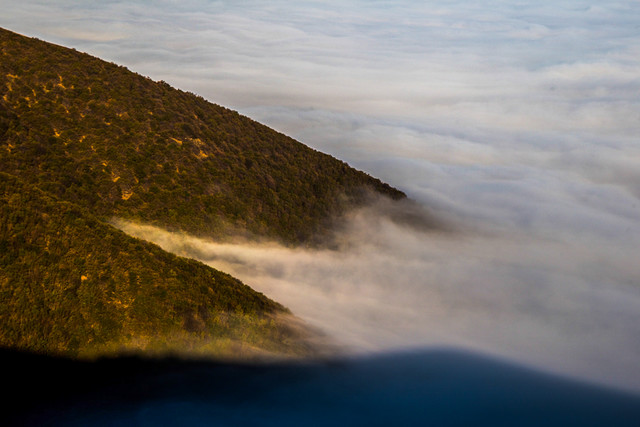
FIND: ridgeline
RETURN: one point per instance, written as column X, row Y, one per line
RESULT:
column 95, row 134
column 83, row 141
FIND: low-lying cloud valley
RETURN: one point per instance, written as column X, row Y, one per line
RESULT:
column 564, row 307
column 514, row 123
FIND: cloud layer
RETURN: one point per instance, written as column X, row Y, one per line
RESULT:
column 565, row 308
column 518, row 120
column 541, row 85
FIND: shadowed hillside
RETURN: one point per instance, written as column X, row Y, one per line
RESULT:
column 436, row 387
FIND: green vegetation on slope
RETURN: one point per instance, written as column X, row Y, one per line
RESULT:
column 70, row 284
column 83, row 141
column 96, row 134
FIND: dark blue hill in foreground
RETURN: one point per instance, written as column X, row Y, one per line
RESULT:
column 435, row 387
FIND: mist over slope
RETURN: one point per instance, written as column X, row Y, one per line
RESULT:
column 531, row 298
column 72, row 285
column 83, row 140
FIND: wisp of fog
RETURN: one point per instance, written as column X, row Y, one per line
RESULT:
column 569, row 309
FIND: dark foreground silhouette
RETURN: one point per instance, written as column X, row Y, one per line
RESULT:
column 435, row 387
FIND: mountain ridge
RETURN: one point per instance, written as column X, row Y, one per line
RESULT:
column 83, row 141
column 123, row 145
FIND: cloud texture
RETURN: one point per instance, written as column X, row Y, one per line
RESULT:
column 568, row 309
column 517, row 120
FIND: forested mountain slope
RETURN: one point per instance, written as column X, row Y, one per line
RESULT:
column 93, row 133
column 83, row 141
column 71, row 284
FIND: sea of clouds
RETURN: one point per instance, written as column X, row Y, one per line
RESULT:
column 517, row 123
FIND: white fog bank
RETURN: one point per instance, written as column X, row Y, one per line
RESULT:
column 570, row 309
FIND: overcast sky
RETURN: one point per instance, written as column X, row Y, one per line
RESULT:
column 516, row 119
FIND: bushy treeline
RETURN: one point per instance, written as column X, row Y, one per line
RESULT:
column 82, row 141
column 98, row 135
column 71, row 284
